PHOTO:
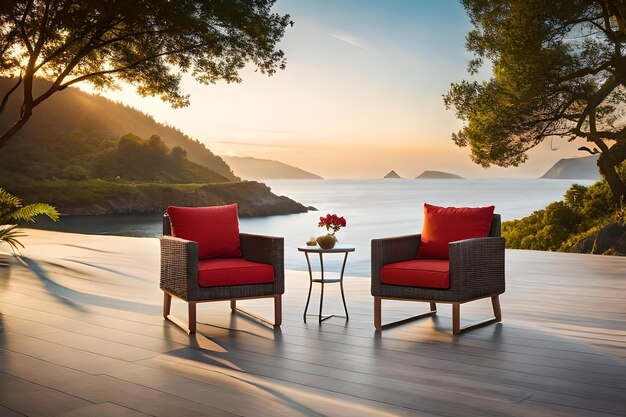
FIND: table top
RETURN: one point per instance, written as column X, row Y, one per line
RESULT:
column 339, row 248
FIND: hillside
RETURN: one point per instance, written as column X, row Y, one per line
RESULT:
column 87, row 155
column 72, row 123
column 583, row 168
column 264, row 169
column 136, row 159
column 440, row 175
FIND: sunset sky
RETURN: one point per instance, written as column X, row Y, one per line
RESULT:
column 361, row 95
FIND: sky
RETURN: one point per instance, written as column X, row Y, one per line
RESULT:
column 361, row 95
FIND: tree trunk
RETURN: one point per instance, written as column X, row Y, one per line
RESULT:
column 4, row 138
column 607, row 168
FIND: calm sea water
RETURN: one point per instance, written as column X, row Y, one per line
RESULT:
column 372, row 208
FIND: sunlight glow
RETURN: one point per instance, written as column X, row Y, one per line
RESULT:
column 353, row 102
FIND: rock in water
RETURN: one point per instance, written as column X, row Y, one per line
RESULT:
column 439, row 175
column 392, row 174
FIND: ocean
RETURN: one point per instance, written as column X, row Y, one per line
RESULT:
column 372, row 208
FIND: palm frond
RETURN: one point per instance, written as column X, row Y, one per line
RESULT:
column 12, row 214
column 8, row 204
column 29, row 212
column 9, row 200
column 10, row 235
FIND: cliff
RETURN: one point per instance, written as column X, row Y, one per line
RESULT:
column 438, row 175
column 584, row 168
column 92, row 197
column 249, row 168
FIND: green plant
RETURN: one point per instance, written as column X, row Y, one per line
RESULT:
column 571, row 224
column 13, row 214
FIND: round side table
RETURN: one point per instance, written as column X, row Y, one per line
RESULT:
column 345, row 249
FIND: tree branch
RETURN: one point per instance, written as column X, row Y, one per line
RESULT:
column 585, row 71
column 125, row 68
column 5, row 99
column 608, row 86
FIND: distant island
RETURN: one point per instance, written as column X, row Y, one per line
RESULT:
column 582, row 168
column 440, row 175
column 392, row 174
column 249, row 168
column 86, row 154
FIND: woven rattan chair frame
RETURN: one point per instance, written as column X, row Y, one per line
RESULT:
column 476, row 272
column 179, row 276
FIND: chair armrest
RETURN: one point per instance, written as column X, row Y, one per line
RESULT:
column 389, row 250
column 267, row 250
column 477, row 267
column 179, row 266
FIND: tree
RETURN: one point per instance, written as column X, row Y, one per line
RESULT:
column 147, row 43
column 559, row 70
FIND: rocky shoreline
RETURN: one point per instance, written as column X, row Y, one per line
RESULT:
column 97, row 197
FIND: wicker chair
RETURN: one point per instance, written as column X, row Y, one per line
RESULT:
column 179, row 276
column 476, row 270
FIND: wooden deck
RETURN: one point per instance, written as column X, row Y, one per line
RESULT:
column 81, row 334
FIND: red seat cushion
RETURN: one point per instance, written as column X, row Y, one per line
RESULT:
column 428, row 273
column 216, row 229
column 221, row 272
column 443, row 225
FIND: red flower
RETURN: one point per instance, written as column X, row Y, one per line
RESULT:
column 332, row 221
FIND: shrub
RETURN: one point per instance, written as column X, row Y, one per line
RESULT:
column 570, row 224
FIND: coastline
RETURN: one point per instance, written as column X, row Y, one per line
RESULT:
column 100, row 197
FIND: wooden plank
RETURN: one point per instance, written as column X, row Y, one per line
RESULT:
column 6, row 412
column 106, row 409
column 102, row 388
column 30, row 399
column 87, row 322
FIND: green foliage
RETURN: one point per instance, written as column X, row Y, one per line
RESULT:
column 135, row 159
column 71, row 128
column 75, row 172
column 13, row 214
column 71, row 195
column 144, row 43
column 557, row 72
column 10, row 234
column 564, row 225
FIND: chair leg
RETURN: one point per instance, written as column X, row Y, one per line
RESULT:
column 167, row 304
column 497, row 312
column 191, row 307
column 456, row 318
column 377, row 313
column 278, row 310
column 378, row 323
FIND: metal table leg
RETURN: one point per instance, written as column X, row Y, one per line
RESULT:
column 323, row 283
column 343, row 267
column 322, row 292
column 308, row 298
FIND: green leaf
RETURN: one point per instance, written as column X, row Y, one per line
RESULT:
column 28, row 213
column 10, row 235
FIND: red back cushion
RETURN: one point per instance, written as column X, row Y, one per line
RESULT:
column 443, row 225
column 216, row 229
